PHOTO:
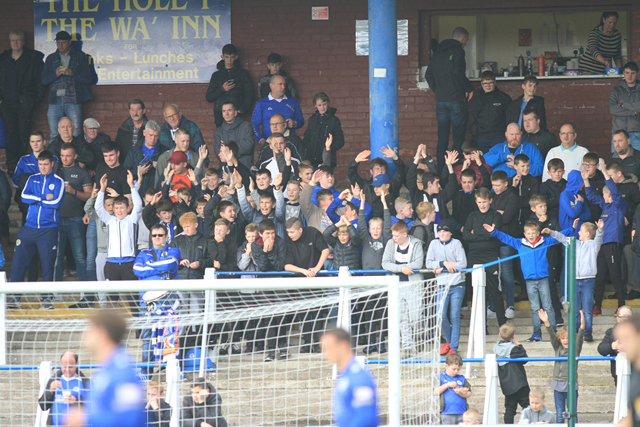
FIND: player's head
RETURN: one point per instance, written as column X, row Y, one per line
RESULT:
column 336, row 347
column 106, row 330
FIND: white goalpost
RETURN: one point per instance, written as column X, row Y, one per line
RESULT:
column 255, row 340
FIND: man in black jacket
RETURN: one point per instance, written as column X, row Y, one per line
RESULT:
column 529, row 87
column 487, row 118
column 609, row 345
column 148, row 149
column 230, row 84
column 158, row 410
column 20, row 92
column 66, row 129
column 446, row 77
column 202, row 406
column 131, row 130
column 95, row 140
column 321, row 124
column 535, row 134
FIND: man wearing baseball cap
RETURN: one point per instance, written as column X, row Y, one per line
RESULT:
column 67, row 73
column 94, row 139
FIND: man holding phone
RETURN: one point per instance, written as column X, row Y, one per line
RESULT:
column 146, row 155
column 230, row 84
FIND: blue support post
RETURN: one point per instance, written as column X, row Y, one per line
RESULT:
column 383, row 78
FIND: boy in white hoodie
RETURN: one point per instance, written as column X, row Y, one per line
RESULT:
column 403, row 254
column 446, row 256
column 587, row 249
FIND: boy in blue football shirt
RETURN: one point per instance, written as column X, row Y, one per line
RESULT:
column 454, row 390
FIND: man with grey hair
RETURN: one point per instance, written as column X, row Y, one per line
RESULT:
column 448, row 81
column 95, row 140
column 174, row 120
column 66, row 134
column 146, row 154
column 20, row 92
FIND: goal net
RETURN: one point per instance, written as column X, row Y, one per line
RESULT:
column 255, row 340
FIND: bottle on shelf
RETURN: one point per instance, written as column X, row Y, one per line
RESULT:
column 521, row 66
column 510, row 69
column 541, row 64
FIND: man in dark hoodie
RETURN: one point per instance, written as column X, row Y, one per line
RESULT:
column 202, row 407
column 482, row 247
column 527, row 99
column 590, row 162
column 507, row 202
column 512, row 375
column 536, row 135
column 269, row 253
column 446, row 77
column 235, row 129
column 553, row 187
column 20, row 92
column 130, row 132
column 66, row 389
column 230, row 84
column 274, row 64
column 322, row 125
column 487, row 117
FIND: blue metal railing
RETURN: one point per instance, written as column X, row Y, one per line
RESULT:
column 367, row 361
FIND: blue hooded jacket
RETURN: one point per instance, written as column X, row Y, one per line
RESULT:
column 534, row 262
column 497, row 158
column 612, row 213
column 570, row 208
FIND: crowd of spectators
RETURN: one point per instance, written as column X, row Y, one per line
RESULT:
column 151, row 204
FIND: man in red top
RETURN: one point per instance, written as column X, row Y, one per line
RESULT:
column 178, row 175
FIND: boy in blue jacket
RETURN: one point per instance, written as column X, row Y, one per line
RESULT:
column 610, row 257
column 43, row 192
column 572, row 204
column 535, row 269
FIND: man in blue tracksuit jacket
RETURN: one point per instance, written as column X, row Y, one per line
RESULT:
column 43, row 193
column 501, row 156
column 115, row 398
column 276, row 102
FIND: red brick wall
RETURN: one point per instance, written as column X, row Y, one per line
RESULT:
column 320, row 56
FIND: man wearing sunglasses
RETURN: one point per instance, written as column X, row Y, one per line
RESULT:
column 160, row 262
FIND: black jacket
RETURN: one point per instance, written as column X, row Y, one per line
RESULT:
column 488, row 114
column 551, row 191
column 29, row 72
column 537, row 103
column 124, row 138
column 241, row 95
column 481, row 245
column 528, row 186
column 193, row 414
column 463, row 204
column 194, row 248
column 512, row 375
column 377, row 210
column 509, row 202
column 597, row 183
column 160, row 417
column 236, row 228
column 46, row 400
column 347, row 254
column 150, row 218
column 425, row 232
column 446, row 73
column 631, row 163
column 96, row 148
column 134, row 157
column 605, row 349
column 318, row 129
column 264, row 89
column 270, row 261
column 631, row 194
column 224, row 252
column 85, row 154
column 543, row 140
